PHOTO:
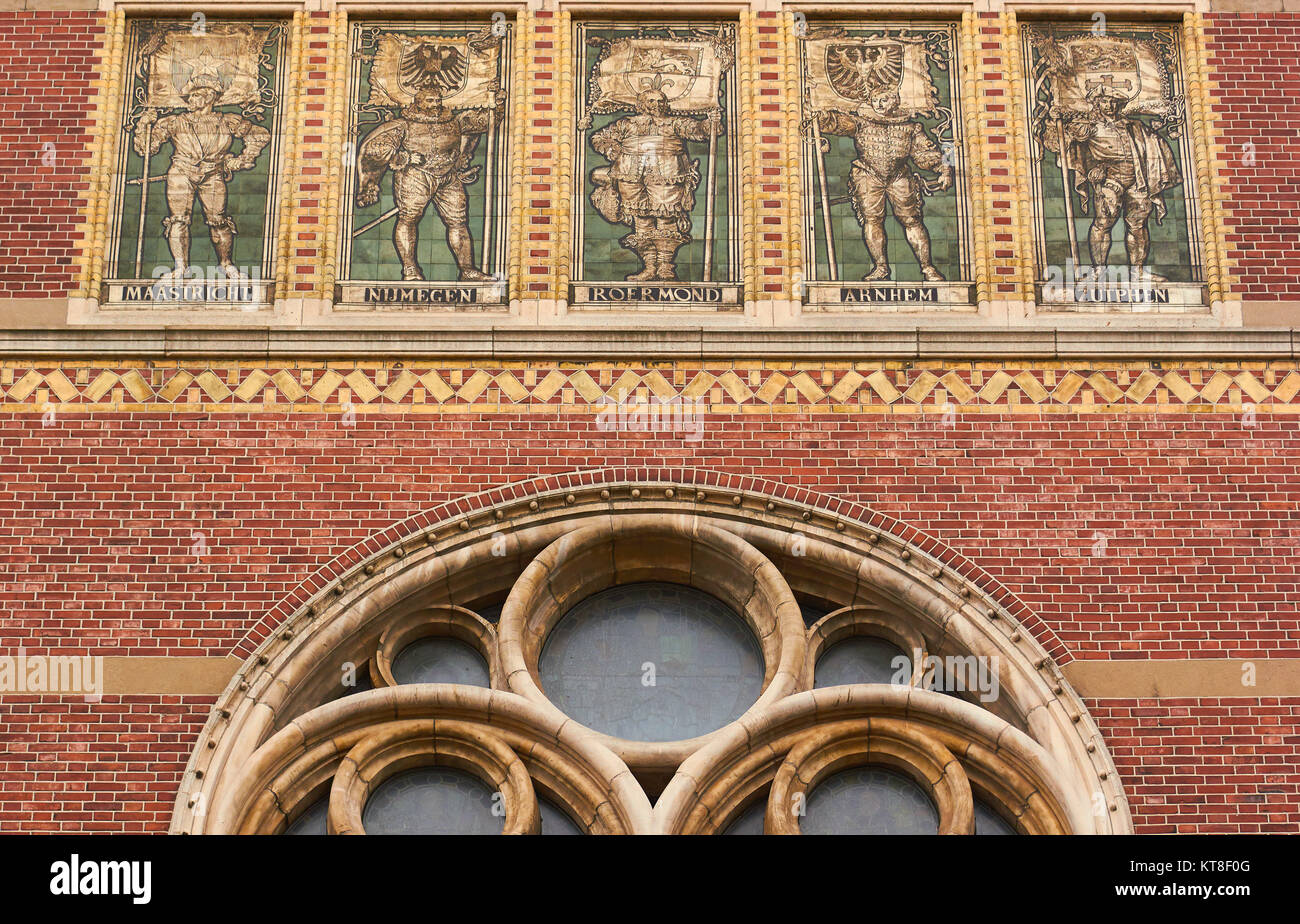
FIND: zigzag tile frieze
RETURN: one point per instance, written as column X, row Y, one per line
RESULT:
column 719, row 388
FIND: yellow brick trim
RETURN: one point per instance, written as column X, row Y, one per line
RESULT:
column 746, row 55
column 1196, row 105
column 335, row 146
column 564, row 184
column 1211, row 187
column 94, row 225
column 517, row 214
column 1022, row 228
column 293, row 123
column 539, row 140
column 793, row 178
column 977, row 179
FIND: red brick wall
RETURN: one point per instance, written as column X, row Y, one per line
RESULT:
column 1206, row 766
column 48, row 60
column 99, row 513
column 1256, row 60
column 114, row 766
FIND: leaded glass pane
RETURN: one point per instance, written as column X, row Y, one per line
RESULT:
column 313, row 820
column 988, row 821
column 432, row 800
column 440, row 660
column 869, row 800
column 750, row 821
column 862, row 659
column 652, row 662
column 555, row 820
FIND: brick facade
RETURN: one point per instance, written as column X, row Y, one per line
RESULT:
column 1259, row 121
column 50, row 61
column 1138, row 510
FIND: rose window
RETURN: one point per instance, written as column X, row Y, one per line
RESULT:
column 650, row 659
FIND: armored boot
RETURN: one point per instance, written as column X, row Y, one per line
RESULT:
column 645, row 248
column 177, row 230
column 666, row 248
column 404, row 240
column 223, row 242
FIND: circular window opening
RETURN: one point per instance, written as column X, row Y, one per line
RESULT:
column 987, row 821
column 431, row 800
column 862, row 659
column 554, row 819
column 652, row 662
column 750, row 821
column 314, row 820
column 869, row 800
column 440, row 660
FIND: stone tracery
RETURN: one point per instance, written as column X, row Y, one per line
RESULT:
column 282, row 738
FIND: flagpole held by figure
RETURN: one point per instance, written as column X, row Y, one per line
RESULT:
column 488, row 203
column 1068, row 186
column 144, row 197
column 831, row 264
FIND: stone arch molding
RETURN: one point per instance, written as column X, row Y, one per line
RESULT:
column 276, row 741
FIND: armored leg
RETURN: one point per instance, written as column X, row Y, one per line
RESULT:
column 668, row 239
column 873, row 232
column 1107, row 204
column 869, row 207
column 1137, row 237
column 405, row 237
column 905, row 196
column 221, row 226
column 643, row 242
column 176, row 226
column 412, row 192
column 452, row 206
column 462, row 248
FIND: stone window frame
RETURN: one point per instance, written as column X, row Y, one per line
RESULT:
column 269, row 750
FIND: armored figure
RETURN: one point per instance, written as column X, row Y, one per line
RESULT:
column 888, row 145
column 651, row 181
column 428, row 149
column 201, row 166
column 1126, row 165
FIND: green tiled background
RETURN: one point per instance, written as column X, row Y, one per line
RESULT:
column 246, row 192
column 603, row 257
column 373, row 255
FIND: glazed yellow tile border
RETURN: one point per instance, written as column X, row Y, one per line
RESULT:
column 520, row 77
column 718, row 387
column 989, row 77
column 94, row 224
column 295, row 127
column 334, row 151
column 977, row 165
column 794, row 241
column 746, row 52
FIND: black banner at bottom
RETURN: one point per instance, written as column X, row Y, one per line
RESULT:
column 140, row 876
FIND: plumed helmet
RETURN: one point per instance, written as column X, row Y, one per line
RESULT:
column 202, row 82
